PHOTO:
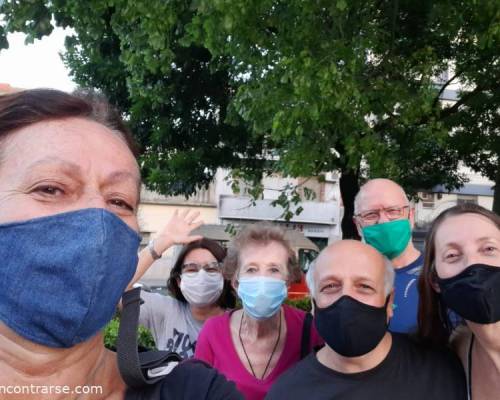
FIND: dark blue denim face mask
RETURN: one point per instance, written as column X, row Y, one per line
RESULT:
column 62, row 276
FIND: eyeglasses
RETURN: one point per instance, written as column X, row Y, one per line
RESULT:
column 214, row 266
column 373, row 216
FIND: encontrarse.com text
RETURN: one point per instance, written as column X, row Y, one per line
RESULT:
column 49, row 389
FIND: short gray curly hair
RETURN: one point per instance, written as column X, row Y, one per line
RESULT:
column 259, row 233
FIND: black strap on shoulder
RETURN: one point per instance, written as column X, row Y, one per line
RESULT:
column 305, row 344
column 134, row 366
column 469, row 368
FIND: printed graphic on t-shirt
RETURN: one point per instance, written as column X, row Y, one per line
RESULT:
column 405, row 304
column 181, row 344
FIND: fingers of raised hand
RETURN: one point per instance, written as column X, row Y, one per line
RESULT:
column 192, row 217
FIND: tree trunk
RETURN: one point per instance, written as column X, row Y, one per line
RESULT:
column 349, row 187
column 496, row 193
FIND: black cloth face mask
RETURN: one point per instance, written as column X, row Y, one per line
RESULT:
column 474, row 293
column 351, row 328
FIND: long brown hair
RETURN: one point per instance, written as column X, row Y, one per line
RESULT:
column 227, row 298
column 434, row 325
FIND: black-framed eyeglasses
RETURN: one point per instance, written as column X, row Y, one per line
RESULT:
column 373, row 216
column 214, row 266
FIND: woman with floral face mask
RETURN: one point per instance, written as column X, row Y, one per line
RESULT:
column 461, row 277
column 254, row 345
column 198, row 291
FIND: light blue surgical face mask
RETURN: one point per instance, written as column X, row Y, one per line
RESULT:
column 62, row 275
column 262, row 296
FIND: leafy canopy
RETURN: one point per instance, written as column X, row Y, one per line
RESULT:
column 290, row 87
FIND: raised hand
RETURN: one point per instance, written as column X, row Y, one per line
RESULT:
column 178, row 229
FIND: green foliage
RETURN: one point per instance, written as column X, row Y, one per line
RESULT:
column 356, row 77
column 144, row 338
column 296, row 88
column 302, row 304
column 175, row 97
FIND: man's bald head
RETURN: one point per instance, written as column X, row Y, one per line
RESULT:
column 352, row 261
column 379, row 193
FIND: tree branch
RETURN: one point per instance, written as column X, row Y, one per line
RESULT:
column 443, row 88
column 451, row 110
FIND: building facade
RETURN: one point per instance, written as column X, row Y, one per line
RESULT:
column 319, row 221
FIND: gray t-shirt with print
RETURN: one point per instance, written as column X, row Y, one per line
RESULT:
column 171, row 323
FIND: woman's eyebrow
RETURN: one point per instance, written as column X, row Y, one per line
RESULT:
column 68, row 166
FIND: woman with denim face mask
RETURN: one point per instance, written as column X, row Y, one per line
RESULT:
column 69, row 194
column 252, row 346
column 461, row 278
column 197, row 289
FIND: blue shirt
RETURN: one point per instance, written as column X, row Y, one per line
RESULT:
column 405, row 306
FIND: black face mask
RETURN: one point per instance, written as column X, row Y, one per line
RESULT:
column 474, row 293
column 351, row 328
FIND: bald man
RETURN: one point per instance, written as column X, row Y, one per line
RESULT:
column 352, row 288
column 385, row 220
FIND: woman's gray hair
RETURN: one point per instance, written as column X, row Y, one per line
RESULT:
column 388, row 277
column 260, row 233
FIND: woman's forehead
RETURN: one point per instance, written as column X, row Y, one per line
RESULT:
column 76, row 140
column 270, row 252
column 465, row 228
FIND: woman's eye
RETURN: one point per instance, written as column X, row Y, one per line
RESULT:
column 48, row 190
column 450, row 256
column 122, row 204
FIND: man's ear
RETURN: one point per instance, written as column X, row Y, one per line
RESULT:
column 411, row 217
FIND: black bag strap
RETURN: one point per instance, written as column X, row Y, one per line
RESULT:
column 305, row 344
column 134, row 366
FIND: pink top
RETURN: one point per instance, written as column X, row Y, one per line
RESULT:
column 215, row 346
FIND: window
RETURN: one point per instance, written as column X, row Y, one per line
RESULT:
column 462, row 199
column 427, row 200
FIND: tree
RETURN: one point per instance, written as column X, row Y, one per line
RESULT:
column 296, row 88
column 352, row 85
column 173, row 97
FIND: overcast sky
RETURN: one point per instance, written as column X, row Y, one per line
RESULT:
column 35, row 65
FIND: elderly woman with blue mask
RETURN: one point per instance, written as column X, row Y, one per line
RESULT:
column 254, row 345
column 69, row 194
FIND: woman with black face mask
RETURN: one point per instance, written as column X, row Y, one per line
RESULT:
column 461, row 277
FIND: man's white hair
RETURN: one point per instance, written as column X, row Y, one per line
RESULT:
column 358, row 199
column 388, row 277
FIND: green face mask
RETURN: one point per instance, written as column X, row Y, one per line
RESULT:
column 389, row 238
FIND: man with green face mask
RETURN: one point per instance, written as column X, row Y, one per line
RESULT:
column 385, row 220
